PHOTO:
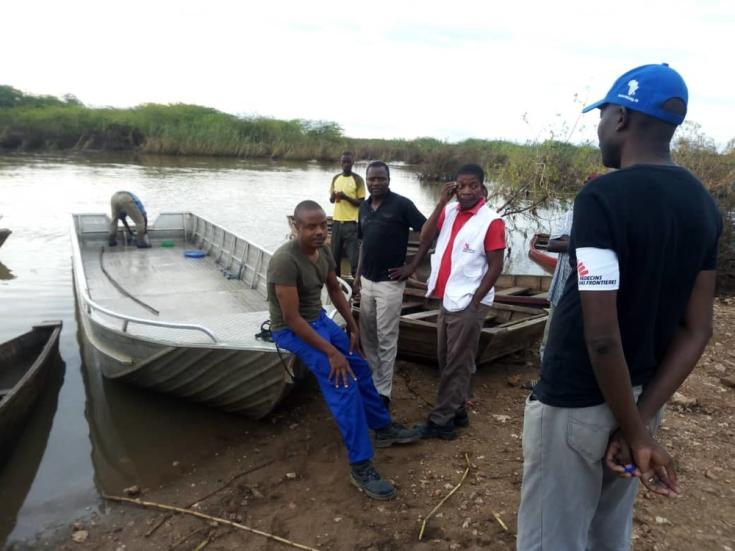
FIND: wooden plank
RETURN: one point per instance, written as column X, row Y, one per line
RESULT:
column 513, row 291
column 422, row 315
column 410, row 305
column 412, row 292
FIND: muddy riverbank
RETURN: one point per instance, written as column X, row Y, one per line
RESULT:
column 287, row 475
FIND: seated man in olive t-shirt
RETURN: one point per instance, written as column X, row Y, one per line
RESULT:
column 296, row 274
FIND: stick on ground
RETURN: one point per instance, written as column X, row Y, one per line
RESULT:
column 199, row 500
column 164, row 507
column 500, row 521
column 446, row 497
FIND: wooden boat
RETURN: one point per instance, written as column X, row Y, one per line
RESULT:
column 508, row 328
column 523, row 290
column 25, row 363
column 4, row 234
column 179, row 325
column 21, row 467
column 519, row 289
column 538, row 253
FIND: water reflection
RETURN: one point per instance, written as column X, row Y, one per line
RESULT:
column 19, row 471
column 142, row 437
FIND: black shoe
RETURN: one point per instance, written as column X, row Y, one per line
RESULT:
column 386, row 401
column 367, row 479
column 432, row 430
column 112, row 242
column 461, row 419
column 395, row 434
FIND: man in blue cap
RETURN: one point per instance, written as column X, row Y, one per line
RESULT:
column 629, row 328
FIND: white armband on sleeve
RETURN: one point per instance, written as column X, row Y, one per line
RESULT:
column 597, row 269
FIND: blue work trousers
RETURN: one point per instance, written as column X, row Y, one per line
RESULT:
column 356, row 408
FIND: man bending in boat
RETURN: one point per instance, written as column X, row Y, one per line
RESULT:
column 124, row 204
column 296, row 274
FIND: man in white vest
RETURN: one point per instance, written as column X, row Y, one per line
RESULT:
column 464, row 268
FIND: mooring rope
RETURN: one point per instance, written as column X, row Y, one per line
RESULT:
column 122, row 289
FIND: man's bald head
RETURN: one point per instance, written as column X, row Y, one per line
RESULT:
column 305, row 207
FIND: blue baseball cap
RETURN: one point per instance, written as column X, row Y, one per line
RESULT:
column 646, row 89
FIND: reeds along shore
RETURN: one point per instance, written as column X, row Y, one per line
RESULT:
column 543, row 170
column 38, row 123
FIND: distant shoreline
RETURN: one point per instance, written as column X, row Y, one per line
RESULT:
column 30, row 123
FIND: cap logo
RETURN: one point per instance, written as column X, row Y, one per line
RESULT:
column 632, row 89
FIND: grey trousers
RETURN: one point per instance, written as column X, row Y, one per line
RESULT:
column 569, row 499
column 380, row 311
column 345, row 243
column 122, row 204
column 458, row 336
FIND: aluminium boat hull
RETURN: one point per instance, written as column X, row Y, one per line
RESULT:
column 196, row 338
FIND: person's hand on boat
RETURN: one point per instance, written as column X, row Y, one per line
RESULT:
column 402, row 273
column 448, row 191
column 340, row 371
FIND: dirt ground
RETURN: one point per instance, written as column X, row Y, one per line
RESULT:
column 288, row 475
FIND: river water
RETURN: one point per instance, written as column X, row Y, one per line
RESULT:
column 89, row 435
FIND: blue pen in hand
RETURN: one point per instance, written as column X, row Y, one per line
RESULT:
column 630, row 468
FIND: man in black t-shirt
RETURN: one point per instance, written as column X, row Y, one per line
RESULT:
column 385, row 219
column 631, row 324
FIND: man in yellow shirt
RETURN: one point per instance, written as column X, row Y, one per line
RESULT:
column 346, row 192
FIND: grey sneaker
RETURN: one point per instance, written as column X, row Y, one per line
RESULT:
column 395, row 434
column 367, row 479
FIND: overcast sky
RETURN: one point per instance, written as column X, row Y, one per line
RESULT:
column 451, row 69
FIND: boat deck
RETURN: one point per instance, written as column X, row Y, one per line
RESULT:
column 181, row 289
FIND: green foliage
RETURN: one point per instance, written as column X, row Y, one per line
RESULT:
column 699, row 154
column 12, row 97
column 42, row 122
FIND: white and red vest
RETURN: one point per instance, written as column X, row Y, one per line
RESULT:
column 469, row 261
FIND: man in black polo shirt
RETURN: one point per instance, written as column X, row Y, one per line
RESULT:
column 631, row 324
column 385, row 219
